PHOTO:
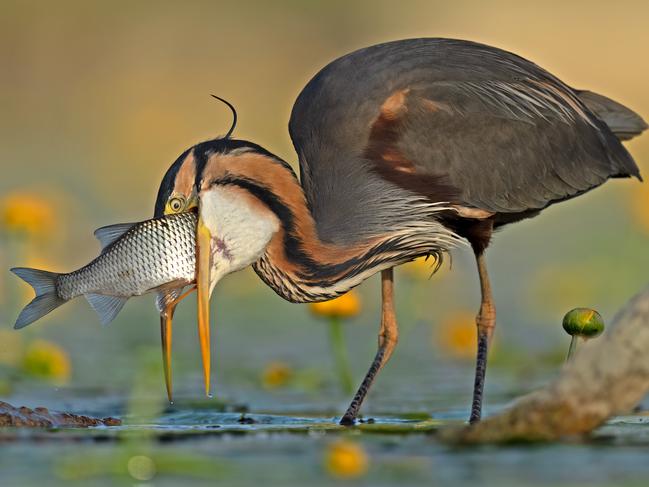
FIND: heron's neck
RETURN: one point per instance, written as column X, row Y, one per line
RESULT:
column 294, row 260
column 301, row 267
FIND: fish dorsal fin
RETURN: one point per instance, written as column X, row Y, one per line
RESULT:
column 107, row 307
column 110, row 233
column 163, row 298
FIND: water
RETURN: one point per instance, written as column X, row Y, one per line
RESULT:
column 195, row 442
column 249, row 434
column 289, row 451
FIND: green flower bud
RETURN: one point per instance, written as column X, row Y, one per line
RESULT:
column 583, row 322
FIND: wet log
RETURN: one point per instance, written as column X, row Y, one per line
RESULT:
column 43, row 418
column 607, row 377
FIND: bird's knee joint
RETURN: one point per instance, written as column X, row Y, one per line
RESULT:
column 486, row 319
column 388, row 339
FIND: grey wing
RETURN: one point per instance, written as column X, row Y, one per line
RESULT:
column 507, row 147
column 499, row 131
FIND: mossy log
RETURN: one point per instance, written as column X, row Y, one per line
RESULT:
column 43, row 418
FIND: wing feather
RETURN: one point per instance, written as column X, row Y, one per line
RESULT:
column 506, row 134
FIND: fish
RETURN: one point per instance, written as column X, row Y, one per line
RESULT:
column 157, row 255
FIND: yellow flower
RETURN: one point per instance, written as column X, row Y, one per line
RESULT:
column 641, row 206
column 27, row 214
column 276, row 374
column 457, row 335
column 344, row 306
column 10, row 347
column 48, row 361
column 345, row 459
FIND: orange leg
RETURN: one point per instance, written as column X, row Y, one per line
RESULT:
column 486, row 324
column 388, row 338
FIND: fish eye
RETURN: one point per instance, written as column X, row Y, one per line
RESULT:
column 176, row 204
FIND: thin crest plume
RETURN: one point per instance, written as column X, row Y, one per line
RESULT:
column 234, row 115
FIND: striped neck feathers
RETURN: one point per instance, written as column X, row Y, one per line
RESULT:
column 292, row 259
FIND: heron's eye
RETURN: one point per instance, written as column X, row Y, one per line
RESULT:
column 176, row 204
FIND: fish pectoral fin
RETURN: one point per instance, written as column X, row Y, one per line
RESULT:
column 107, row 307
column 164, row 298
column 109, row 234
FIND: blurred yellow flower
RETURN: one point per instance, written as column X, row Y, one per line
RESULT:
column 345, row 459
column 641, row 206
column 275, row 375
column 345, row 306
column 11, row 347
column 457, row 335
column 27, row 214
column 47, row 360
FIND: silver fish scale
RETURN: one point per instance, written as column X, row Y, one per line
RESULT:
column 150, row 254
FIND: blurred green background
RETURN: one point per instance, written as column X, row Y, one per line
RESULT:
column 99, row 98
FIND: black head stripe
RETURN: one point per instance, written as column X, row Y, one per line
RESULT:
column 203, row 151
column 167, row 184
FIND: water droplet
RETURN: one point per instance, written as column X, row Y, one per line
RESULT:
column 210, row 395
column 171, row 403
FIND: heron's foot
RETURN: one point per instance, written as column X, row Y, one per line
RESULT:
column 347, row 420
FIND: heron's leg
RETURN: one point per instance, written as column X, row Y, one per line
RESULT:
column 486, row 323
column 388, row 337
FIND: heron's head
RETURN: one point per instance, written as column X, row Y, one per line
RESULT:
column 228, row 183
column 224, row 181
column 232, row 185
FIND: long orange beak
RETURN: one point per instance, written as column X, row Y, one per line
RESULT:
column 203, row 269
column 166, row 321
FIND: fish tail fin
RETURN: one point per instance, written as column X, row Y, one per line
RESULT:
column 47, row 299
